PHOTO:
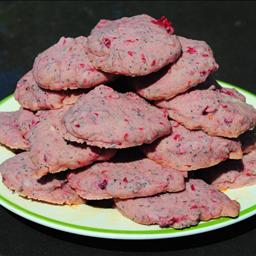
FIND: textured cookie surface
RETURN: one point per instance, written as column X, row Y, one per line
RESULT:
column 192, row 68
column 106, row 118
column 215, row 112
column 65, row 65
column 125, row 180
column 14, row 126
column 55, row 118
column 32, row 97
column 232, row 174
column 133, row 46
column 187, row 150
column 18, row 174
column 179, row 210
column 51, row 153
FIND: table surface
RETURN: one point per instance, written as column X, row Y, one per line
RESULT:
column 28, row 28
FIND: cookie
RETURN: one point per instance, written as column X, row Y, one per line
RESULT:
column 18, row 174
column 14, row 126
column 192, row 68
column 133, row 46
column 232, row 174
column 55, row 118
column 212, row 111
column 180, row 210
column 51, row 153
column 65, row 65
column 187, row 150
column 125, row 180
column 32, row 97
column 106, row 118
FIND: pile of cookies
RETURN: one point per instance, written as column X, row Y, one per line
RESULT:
column 131, row 114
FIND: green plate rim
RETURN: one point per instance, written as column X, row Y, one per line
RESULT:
column 119, row 231
column 2, row 101
column 202, row 225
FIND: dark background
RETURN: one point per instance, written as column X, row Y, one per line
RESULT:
column 27, row 28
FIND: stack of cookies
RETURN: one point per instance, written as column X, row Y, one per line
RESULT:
column 131, row 114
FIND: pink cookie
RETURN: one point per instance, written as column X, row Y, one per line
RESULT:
column 18, row 174
column 215, row 112
column 180, row 210
column 106, row 118
column 51, row 153
column 187, row 150
column 55, row 118
column 133, row 46
column 232, row 174
column 65, row 65
column 192, row 68
column 14, row 126
column 125, row 180
column 32, row 97
column 231, row 92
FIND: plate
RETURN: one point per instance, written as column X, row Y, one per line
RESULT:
column 107, row 222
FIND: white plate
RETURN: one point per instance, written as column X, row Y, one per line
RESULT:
column 109, row 223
